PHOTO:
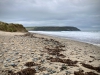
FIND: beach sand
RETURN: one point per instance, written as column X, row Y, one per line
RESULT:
column 46, row 55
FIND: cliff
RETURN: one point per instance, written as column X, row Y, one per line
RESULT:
column 51, row 28
column 10, row 27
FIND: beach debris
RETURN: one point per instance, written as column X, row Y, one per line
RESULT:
column 30, row 64
column 63, row 67
column 54, row 48
column 82, row 73
column 53, row 42
column 27, row 71
column 55, row 51
column 91, row 67
column 66, row 61
column 31, row 35
column 92, row 57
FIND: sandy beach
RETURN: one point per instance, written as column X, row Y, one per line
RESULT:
column 37, row 54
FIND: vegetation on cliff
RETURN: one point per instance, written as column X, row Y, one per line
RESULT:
column 52, row 28
column 11, row 27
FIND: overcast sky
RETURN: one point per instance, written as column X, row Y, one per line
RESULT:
column 84, row 14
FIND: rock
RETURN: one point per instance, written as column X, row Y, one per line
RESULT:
column 13, row 64
column 42, row 61
column 1, row 55
column 46, row 74
column 51, row 71
column 24, row 55
column 8, row 59
column 68, row 73
column 6, row 50
column 5, row 65
column 24, row 67
column 1, row 61
column 35, row 59
column 64, row 67
column 37, row 69
column 80, row 69
column 41, row 68
column 13, row 59
column 16, row 53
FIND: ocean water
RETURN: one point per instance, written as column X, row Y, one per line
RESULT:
column 92, row 37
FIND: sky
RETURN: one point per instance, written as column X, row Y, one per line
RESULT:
column 83, row 14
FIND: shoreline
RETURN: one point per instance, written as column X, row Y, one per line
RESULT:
column 66, row 38
column 46, row 55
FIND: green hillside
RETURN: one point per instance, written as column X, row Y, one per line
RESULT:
column 11, row 27
column 51, row 28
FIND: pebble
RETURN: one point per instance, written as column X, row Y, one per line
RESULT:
column 63, row 67
column 1, row 61
column 24, row 54
column 8, row 59
column 6, row 50
column 51, row 71
column 5, row 65
column 37, row 69
column 35, row 59
column 1, row 55
column 16, row 53
column 68, row 73
column 13, row 59
column 13, row 64
column 46, row 74
column 42, row 61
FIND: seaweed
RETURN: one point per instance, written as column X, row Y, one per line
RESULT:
column 66, row 61
column 91, row 67
column 30, row 64
column 86, row 73
column 90, row 73
column 27, row 71
column 55, row 51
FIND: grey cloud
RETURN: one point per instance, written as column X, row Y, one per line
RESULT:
column 77, row 13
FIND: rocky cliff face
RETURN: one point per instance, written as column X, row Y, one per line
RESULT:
column 49, row 28
column 10, row 27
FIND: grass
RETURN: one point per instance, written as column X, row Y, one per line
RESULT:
column 10, row 27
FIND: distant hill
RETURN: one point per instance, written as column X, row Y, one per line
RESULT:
column 51, row 28
column 11, row 27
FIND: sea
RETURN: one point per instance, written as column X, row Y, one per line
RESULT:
column 92, row 37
